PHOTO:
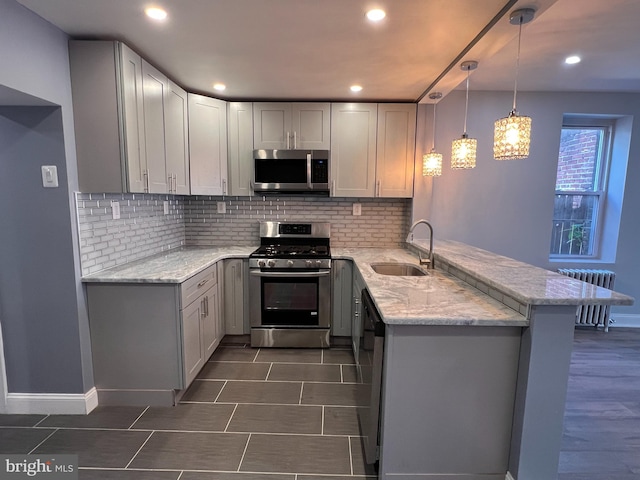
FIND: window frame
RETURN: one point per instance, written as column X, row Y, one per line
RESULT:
column 601, row 182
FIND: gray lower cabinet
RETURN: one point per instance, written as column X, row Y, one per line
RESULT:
column 236, row 287
column 356, row 325
column 150, row 340
column 342, row 298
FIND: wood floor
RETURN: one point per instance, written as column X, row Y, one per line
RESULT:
column 602, row 417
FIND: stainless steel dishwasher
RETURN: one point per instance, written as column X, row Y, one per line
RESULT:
column 370, row 366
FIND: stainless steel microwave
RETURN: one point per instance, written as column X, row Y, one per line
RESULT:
column 291, row 171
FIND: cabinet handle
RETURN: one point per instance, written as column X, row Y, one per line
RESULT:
column 295, row 139
column 170, row 177
column 206, row 305
column 224, row 187
column 175, row 183
column 378, row 187
column 203, row 282
column 145, row 180
column 288, row 140
column 333, row 188
column 203, row 312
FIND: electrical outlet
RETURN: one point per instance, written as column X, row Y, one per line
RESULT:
column 222, row 207
column 115, row 209
column 357, row 209
column 165, row 206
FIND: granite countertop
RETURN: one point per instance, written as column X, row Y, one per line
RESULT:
column 525, row 283
column 434, row 299
column 174, row 266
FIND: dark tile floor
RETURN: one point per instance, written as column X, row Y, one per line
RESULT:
column 275, row 414
column 269, row 414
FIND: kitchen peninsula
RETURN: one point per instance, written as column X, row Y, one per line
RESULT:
column 476, row 355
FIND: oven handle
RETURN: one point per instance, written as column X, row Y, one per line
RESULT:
column 258, row 273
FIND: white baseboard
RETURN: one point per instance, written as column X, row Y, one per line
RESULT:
column 52, row 403
column 625, row 320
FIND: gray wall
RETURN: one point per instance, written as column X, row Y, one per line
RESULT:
column 43, row 314
column 506, row 207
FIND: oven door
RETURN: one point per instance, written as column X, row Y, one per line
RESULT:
column 290, row 299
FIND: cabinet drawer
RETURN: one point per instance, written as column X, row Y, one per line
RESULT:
column 197, row 285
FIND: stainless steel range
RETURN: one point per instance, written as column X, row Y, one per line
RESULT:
column 290, row 285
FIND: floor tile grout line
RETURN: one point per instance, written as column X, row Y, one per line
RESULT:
column 246, row 446
column 134, row 422
column 180, row 476
column 341, row 375
column 138, row 451
column 220, row 392
column 232, row 414
column 42, row 420
column 322, row 424
column 268, row 372
column 48, row 437
column 350, row 456
column 278, row 404
column 274, row 381
column 256, row 355
column 301, row 390
column 199, row 470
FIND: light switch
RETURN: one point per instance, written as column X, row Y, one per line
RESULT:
column 165, row 205
column 357, row 209
column 115, row 209
column 49, row 176
column 222, row 207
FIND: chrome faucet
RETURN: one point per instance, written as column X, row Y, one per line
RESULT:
column 423, row 261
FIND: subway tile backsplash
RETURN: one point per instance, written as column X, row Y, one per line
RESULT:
column 144, row 229
column 383, row 222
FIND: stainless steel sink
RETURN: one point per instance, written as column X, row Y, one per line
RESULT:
column 398, row 269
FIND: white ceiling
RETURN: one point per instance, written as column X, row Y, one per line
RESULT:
column 316, row 49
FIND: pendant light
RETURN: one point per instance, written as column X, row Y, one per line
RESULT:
column 463, row 150
column 432, row 162
column 512, row 134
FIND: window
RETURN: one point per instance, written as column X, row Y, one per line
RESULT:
column 581, row 181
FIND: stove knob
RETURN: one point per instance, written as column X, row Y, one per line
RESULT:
column 261, row 263
column 318, row 262
column 308, row 263
column 271, row 263
column 290, row 263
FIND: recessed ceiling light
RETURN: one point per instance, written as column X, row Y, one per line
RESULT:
column 376, row 14
column 356, row 88
column 573, row 59
column 156, row 13
column 219, row 86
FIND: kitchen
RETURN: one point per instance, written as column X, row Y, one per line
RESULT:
column 76, row 360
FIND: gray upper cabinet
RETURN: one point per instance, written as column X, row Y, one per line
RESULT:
column 207, row 145
column 372, row 149
column 155, row 87
column 240, row 144
column 353, row 149
column 396, row 145
column 176, row 127
column 291, row 126
column 130, row 126
column 108, row 110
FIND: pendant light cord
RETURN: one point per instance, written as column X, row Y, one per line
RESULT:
column 466, row 103
column 515, row 87
column 433, row 138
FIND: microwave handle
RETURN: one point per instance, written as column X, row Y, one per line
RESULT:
column 309, row 170
column 295, row 139
column 288, row 140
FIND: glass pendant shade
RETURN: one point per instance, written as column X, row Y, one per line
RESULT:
column 432, row 164
column 463, row 152
column 512, row 137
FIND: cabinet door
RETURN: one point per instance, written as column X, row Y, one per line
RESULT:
column 176, row 140
column 154, row 94
column 193, row 354
column 272, row 126
column 210, row 319
column 207, row 145
column 133, row 119
column 353, row 149
column 234, row 296
column 240, row 118
column 342, row 298
column 396, row 145
column 311, row 126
